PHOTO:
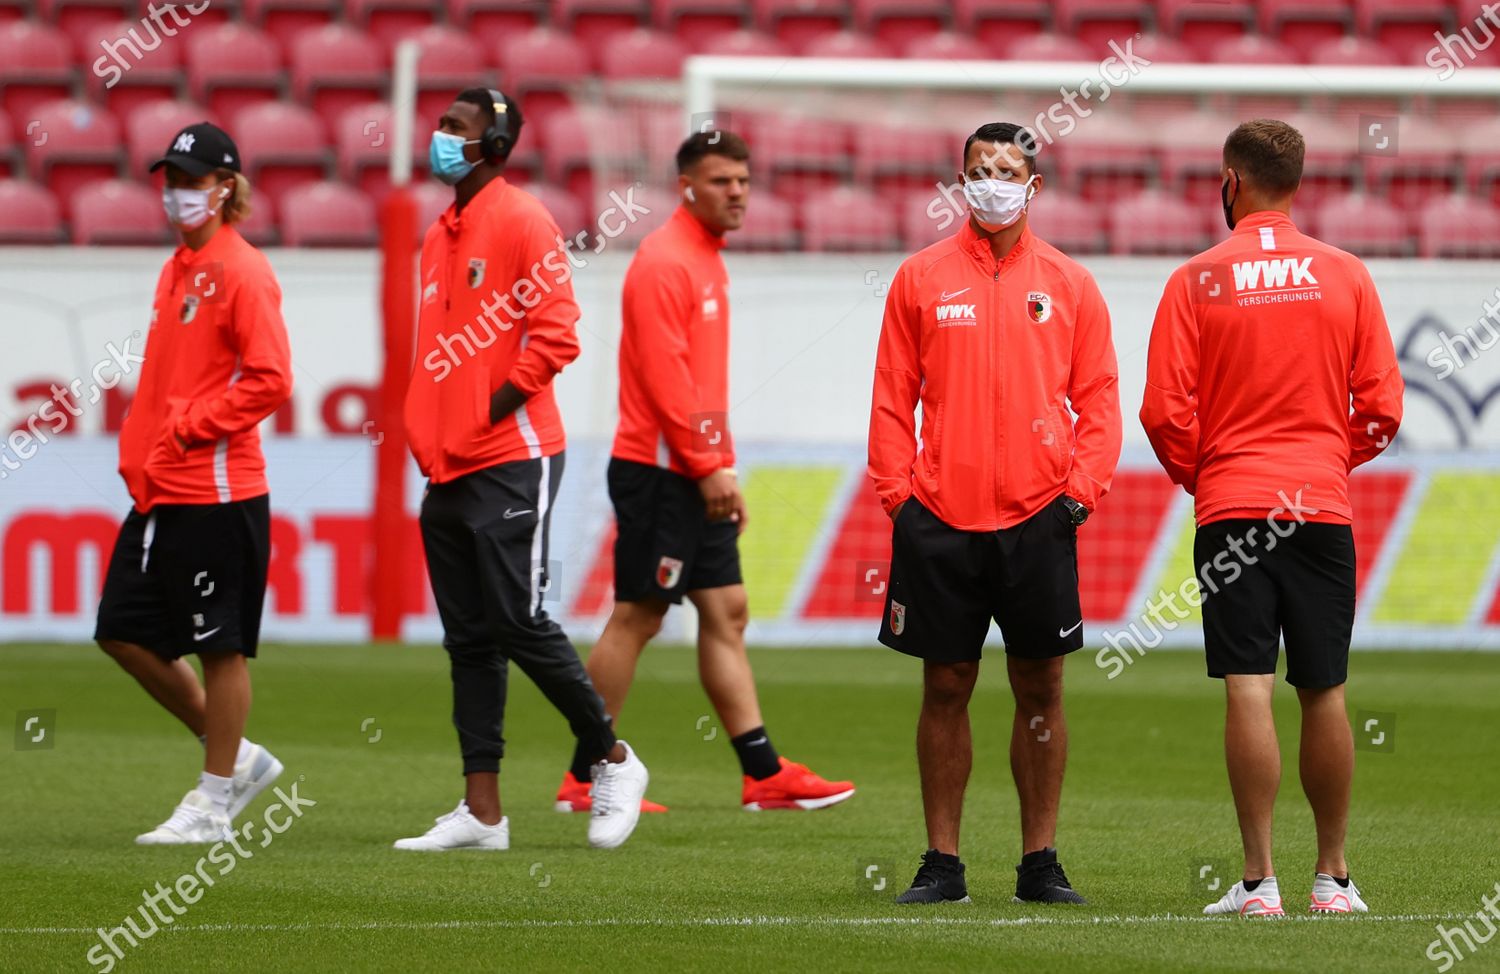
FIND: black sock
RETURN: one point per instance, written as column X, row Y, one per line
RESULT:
column 943, row 857
column 1344, row 882
column 1038, row 857
column 583, row 762
column 1250, row 884
column 758, row 758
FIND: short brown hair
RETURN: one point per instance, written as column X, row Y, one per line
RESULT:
column 713, row 143
column 1267, row 151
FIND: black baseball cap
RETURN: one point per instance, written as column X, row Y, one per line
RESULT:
column 200, row 149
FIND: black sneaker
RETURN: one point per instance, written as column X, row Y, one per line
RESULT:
column 940, row 880
column 1040, row 879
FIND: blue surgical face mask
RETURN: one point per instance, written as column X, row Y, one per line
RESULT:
column 445, row 156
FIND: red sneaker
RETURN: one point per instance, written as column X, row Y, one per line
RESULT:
column 794, row 786
column 573, row 796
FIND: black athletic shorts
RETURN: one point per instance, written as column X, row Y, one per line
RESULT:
column 1266, row 587
column 189, row 578
column 666, row 546
column 947, row 584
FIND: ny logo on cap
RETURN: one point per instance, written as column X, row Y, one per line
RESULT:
column 184, row 143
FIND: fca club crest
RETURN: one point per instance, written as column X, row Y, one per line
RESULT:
column 898, row 618
column 668, row 573
column 189, row 310
column 476, row 271
column 1038, row 306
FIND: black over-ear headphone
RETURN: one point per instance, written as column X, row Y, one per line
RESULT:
column 500, row 136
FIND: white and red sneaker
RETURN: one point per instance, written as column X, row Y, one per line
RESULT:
column 1329, row 897
column 1263, row 901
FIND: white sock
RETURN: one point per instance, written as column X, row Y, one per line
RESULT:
column 217, row 789
column 245, row 746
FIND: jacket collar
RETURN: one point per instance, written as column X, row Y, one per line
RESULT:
column 979, row 246
column 1264, row 218
column 488, row 193
column 216, row 249
column 685, row 222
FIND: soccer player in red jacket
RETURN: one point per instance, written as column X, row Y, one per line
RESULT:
column 1002, row 340
column 678, row 506
column 188, row 570
column 497, row 322
column 1271, row 375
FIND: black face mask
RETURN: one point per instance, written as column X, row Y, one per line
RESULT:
column 1228, row 203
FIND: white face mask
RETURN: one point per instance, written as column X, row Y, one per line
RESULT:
column 997, row 203
column 188, row 209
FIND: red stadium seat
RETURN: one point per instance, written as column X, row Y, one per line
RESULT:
column 492, row 21
column 432, row 199
column 391, row 20
column 336, row 67
column 231, row 66
column 449, row 61
column 1049, row 47
column 946, row 46
column 997, row 24
column 1459, row 226
column 1069, row 223
column 115, row 211
column 770, row 224
column 928, row 215
column 327, row 215
column 1156, row 222
column 541, row 60
column 285, row 20
column 36, row 66
column 1200, row 24
column 694, row 21
column 1422, row 163
column 1161, row 49
column 7, row 148
column 260, row 227
column 1192, row 153
column 1480, row 151
column 800, row 155
column 1330, row 166
column 1402, row 24
column 28, row 213
column 1105, row 158
column 149, row 130
column 848, row 218
column 845, row 44
column 129, row 64
column 613, row 229
column 594, row 22
column 796, row 22
column 1351, row 52
column 641, row 53
column 899, row 22
column 745, row 43
column 363, row 137
column 570, row 140
column 1252, row 49
column 903, row 154
column 281, row 145
column 1364, row 225
column 1301, row 24
column 82, row 19
column 74, row 143
column 565, row 208
column 1097, row 22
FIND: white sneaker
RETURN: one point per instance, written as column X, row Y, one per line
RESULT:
column 618, row 789
column 1329, row 897
column 251, row 777
column 193, row 821
column 1263, row 901
column 459, row 829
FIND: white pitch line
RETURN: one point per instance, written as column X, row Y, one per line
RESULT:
column 752, row 921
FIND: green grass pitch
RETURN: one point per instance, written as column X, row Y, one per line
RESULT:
column 365, row 733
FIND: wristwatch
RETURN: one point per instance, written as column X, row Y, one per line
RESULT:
column 1076, row 511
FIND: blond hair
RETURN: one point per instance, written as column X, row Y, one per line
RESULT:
column 237, row 207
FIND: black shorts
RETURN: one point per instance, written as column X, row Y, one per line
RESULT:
column 189, row 578
column 665, row 544
column 947, row 584
column 1297, row 586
